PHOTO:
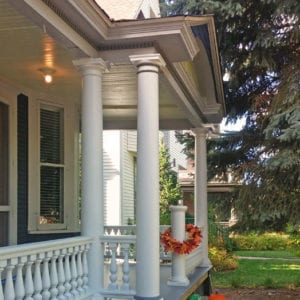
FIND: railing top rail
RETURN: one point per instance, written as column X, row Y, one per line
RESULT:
column 119, row 226
column 38, row 247
column 118, row 238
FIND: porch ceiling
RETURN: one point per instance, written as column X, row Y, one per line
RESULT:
column 52, row 36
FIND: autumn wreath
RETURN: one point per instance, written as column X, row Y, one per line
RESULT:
column 192, row 242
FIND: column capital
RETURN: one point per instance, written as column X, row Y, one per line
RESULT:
column 152, row 59
column 200, row 131
column 91, row 66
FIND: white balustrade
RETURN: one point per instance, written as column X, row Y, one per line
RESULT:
column 120, row 230
column 119, row 261
column 45, row 270
column 193, row 260
column 59, row 270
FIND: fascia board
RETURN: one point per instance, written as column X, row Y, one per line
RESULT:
column 192, row 21
column 51, row 18
column 95, row 16
column 156, row 31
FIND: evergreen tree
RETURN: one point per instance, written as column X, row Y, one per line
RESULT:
column 170, row 191
column 259, row 48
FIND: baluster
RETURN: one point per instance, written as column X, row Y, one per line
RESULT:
column 9, row 292
column 53, row 276
column 113, row 267
column 28, row 278
column 19, row 284
column 79, row 271
column 85, row 268
column 125, row 268
column 37, row 278
column 1, row 289
column 74, row 291
column 61, row 275
column 106, row 251
column 68, row 275
column 46, row 276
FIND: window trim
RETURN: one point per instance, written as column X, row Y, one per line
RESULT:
column 70, row 127
column 8, row 97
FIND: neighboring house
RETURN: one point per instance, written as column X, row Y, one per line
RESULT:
column 119, row 171
column 178, row 159
column 144, row 75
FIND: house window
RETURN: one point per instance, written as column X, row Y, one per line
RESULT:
column 53, row 184
column 51, row 165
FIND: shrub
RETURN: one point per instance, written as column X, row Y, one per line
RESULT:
column 267, row 241
column 222, row 260
column 294, row 244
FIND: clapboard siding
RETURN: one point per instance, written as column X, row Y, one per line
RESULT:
column 111, row 176
column 128, row 171
column 131, row 140
column 175, row 148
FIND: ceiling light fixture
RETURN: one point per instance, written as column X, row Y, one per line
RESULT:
column 47, row 74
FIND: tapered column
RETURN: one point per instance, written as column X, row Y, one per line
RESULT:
column 92, row 205
column 147, row 269
column 200, row 202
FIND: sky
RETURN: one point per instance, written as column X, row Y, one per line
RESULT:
column 240, row 123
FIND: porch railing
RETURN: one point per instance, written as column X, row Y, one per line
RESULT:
column 120, row 256
column 58, row 269
column 45, row 270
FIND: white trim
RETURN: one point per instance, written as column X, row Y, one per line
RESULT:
column 49, row 15
column 70, row 165
column 9, row 97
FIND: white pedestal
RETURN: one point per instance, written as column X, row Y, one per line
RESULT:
column 178, row 276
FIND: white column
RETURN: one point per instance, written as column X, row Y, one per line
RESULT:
column 200, row 202
column 147, row 269
column 92, row 179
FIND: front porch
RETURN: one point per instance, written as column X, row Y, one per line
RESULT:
column 58, row 269
column 143, row 75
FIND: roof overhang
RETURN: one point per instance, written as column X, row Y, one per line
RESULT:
column 191, row 93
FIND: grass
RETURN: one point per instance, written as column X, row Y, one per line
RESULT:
column 266, row 253
column 272, row 273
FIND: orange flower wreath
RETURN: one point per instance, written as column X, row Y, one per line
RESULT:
column 185, row 247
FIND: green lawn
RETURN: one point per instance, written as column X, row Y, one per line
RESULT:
column 266, row 253
column 273, row 273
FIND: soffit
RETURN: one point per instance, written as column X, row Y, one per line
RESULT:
column 178, row 106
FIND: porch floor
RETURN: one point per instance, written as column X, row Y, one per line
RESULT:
column 197, row 278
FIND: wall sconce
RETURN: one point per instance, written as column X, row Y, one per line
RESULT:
column 47, row 74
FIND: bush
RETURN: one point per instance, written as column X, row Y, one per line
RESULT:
column 294, row 244
column 265, row 241
column 222, row 260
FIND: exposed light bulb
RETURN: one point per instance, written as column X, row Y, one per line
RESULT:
column 48, row 78
column 47, row 74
